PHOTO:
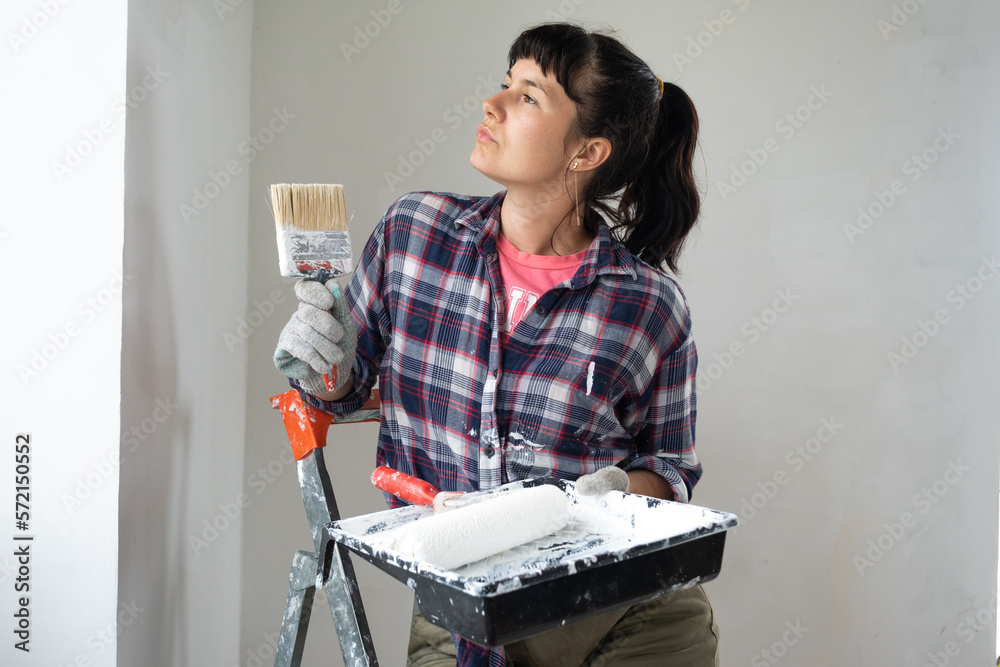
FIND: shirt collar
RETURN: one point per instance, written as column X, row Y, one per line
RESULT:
column 607, row 255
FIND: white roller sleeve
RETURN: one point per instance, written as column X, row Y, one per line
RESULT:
column 474, row 532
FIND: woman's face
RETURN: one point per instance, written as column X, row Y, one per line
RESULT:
column 522, row 141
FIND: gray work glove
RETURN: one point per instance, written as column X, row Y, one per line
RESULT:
column 319, row 339
column 598, row 483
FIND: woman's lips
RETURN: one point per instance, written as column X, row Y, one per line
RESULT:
column 484, row 135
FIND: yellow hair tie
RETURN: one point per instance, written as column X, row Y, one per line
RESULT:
column 660, row 81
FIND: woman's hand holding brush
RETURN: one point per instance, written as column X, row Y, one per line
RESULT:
column 317, row 346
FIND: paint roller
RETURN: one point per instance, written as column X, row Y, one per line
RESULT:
column 472, row 530
column 415, row 490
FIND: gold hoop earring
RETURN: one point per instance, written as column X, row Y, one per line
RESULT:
column 576, row 183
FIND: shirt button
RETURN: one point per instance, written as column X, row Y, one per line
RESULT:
column 488, row 451
column 540, row 310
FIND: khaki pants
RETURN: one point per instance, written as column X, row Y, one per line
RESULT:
column 672, row 630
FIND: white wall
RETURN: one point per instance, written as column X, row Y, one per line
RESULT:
column 184, row 384
column 800, row 556
column 61, row 286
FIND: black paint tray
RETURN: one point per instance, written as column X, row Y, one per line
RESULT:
column 617, row 550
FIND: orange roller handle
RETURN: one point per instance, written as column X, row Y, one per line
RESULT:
column 405, row 487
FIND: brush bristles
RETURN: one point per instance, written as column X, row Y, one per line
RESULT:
column 309, row 207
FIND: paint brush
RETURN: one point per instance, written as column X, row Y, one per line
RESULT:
column 311, row 224
column 313, row 240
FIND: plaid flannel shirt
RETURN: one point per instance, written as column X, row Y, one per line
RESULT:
column 601, row 372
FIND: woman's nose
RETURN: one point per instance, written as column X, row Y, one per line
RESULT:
column 493, row 106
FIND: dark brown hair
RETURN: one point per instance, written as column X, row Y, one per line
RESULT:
column 646, row 187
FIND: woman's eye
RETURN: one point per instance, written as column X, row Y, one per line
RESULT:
column 525, row 97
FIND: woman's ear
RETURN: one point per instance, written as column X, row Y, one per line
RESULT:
column 594, row 153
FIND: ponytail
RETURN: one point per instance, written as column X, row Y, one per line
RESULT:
column 646, row 188
column 660, row 207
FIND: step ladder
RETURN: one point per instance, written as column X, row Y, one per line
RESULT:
column 329, row 565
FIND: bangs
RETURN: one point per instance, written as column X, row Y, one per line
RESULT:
column 564, row 51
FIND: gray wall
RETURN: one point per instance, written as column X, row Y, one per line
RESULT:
column 822, row 360
column 867, row 483
column 183, row 379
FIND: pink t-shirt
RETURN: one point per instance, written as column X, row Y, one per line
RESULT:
column 527, row 277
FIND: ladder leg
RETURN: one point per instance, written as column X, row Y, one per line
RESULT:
column 341, row 586
column 344, row 596
column 298, row 610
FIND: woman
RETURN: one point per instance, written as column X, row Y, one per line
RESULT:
column 521, row 335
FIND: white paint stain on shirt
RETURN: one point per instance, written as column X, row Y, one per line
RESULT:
column 521, row 441
column 590, row 377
